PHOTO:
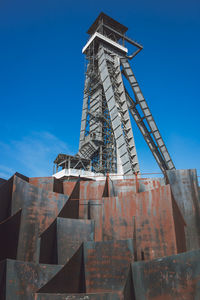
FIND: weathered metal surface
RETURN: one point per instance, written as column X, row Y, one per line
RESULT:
column 126, row 187
column 185, row 191
column 39, row 209
column 47, row 183
column 159, row 226
column 70, row 279
column 48, row 245
column 155, row 230
column 107, row 265
column 2, row 181
column 168, row 278
column 123, row 188
column 38, row 225
column 3, row 279
column 90, row 296
column 70, row 234
column 70, row 209
column 68, row 187
column 147, row 184
column 62, row 239
column 19, row 280
column 128, row 291
column 5, row 199
column 9, row 235
column 94, row 208
column 117, row 217
column 91, row 189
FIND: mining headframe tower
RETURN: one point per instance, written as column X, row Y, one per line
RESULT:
column 97, row 229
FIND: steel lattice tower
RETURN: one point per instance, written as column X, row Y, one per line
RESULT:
column 111, row 93
column 106, row 136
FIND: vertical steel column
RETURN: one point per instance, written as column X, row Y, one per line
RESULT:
column 114, row 113
column 84, row 113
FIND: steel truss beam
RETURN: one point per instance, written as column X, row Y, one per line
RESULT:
column 152, row 135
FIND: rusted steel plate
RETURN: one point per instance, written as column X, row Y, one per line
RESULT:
column 99, row 296
column 23, row 279
column 95, row 267
column 147, row 184
column 70, row 209
column 117, row 217
column 84, row 209
column 48, row 245
column 70, row 279
column 47, row 183
column 70, row 235
column 128, row 291
column 5, row 199
column 154, row 220
column 94, row 208
column 155, row 230
column 9, row 235
column 113, row 216
column 39, row 209
column 124, row 187
column 3, row 279
column 91, row 189
column 68, row 187
column 107, row 265
column 185, row 190
column 119, row 187
column 2, row 181
column 62, row 238
column 168, row 278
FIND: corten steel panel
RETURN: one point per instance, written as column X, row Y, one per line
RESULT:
column 62, row 238
column 48, row 245
column 99, row 296
column 128, row 291
column 70, row 209
column 175, row 277
column 147, row 184
column 2, row 181
column 155, row 230
column 125, row 187
column 109, row 188
column 3, row 280
column 70, row 186
column 113, row 217
column 94, row 210
column 47, row 183
column 185, row 191
column 117, row 217
column 179, row 224
column 70, row 279
column 5, row 199
column 9, row 235
column 39, row 209
column 48, row 238
column 84, row 209
column 70, row 235
column 23, row 177
column 107, row 265
column 91, row 189
column 23, row 278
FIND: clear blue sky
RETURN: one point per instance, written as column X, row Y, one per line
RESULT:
column 42, row 77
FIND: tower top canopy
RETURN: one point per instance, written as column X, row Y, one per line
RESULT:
column 105, row 19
